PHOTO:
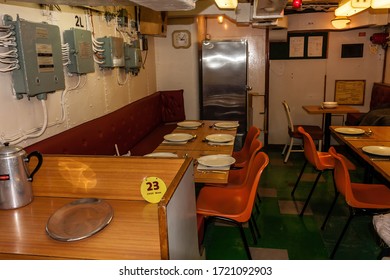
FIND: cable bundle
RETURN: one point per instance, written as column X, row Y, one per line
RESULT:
column 98, row 51
column 10, row 57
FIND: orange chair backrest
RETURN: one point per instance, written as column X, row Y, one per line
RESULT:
column 254, row 149
column 253, row 133
column 341, row 176
column 309, row 148
column 249, row 188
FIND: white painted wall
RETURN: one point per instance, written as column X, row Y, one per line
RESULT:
column 178, row 68
column 97, row 94
column 302, row 82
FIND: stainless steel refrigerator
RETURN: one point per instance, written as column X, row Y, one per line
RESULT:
column 223, row 67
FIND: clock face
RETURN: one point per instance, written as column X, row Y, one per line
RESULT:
column 181, row 39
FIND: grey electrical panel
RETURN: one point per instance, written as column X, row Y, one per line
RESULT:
column 133, row 59
column 40, row 59
column 80, row 51
column 113, row 52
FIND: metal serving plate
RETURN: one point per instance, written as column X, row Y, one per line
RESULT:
column 79, row 219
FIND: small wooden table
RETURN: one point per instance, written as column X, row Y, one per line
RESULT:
column 379, row 137
column 317, row 109
column 198, row 147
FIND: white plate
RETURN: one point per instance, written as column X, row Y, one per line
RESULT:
column 349, row 130
column 79, row 219
column 216, row 160
column 220, row 138
column 226, row 124
column 377, row 150
column 189, row 124
column 162, row 154
column 178, row 137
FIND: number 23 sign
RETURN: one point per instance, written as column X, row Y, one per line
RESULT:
column 153, row 189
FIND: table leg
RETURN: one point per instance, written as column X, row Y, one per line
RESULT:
column 328, row 120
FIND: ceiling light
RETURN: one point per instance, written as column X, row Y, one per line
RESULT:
column 380, row 4
column 340, row 22
column 227, row 4
column 346, row 9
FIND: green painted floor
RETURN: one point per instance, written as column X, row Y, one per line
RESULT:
column 284, row 234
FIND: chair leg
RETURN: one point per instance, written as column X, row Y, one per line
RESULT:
column 330, row 210
column 299, row 178
column 242, row 232
column 256, row 227
column 351, row 215
column 284, row 149
column 252, row 231
column 310, row 193
column 248, row 252
column 289, row 150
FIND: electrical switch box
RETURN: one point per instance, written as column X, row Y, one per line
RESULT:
column 80, row 51
column 113, row 52
column 133, row 59
column 40, row 59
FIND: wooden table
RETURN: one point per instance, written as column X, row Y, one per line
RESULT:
column 138, row 231
column 317, row 109
column 198, row 147
column 379, row 137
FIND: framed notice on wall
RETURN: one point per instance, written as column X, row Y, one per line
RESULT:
column 350, row 92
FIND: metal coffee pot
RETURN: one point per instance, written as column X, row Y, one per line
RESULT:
column 15, row 179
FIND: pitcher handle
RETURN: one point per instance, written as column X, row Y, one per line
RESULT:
column 38, row 155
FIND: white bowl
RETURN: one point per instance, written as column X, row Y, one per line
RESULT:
column 329, row 104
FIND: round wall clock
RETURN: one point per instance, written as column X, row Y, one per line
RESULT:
column 181, row 39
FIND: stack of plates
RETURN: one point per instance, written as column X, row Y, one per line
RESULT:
column 221, row 162
column 377, row 150
column 162, row 154
column 349, row 130
column 178, row 137
column 329, row 105
column 220, row 138
column 226, row 125
column 189, row 124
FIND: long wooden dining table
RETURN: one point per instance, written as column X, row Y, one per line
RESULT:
column 374, row 136
column 199, row 146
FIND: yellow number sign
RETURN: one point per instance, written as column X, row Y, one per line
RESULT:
column 153, row 189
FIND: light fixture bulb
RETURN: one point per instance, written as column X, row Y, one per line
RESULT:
column 346, row 9
column 340, row 22
column 380, row 4
column 226, row 4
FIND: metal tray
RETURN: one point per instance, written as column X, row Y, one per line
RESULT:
column 79, row 219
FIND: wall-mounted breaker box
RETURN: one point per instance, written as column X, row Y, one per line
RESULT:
column 113, row 52
column 133, row 59
column 40, row 58
column 80, row 51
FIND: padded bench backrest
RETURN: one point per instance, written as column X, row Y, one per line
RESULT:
column 124, row 127
column 380, row 96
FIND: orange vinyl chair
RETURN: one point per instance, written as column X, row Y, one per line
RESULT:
column 321, row 161
column 362, row 199
column 234, row 204
column 314, row 131
column 242, row 155
column 238, row 176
